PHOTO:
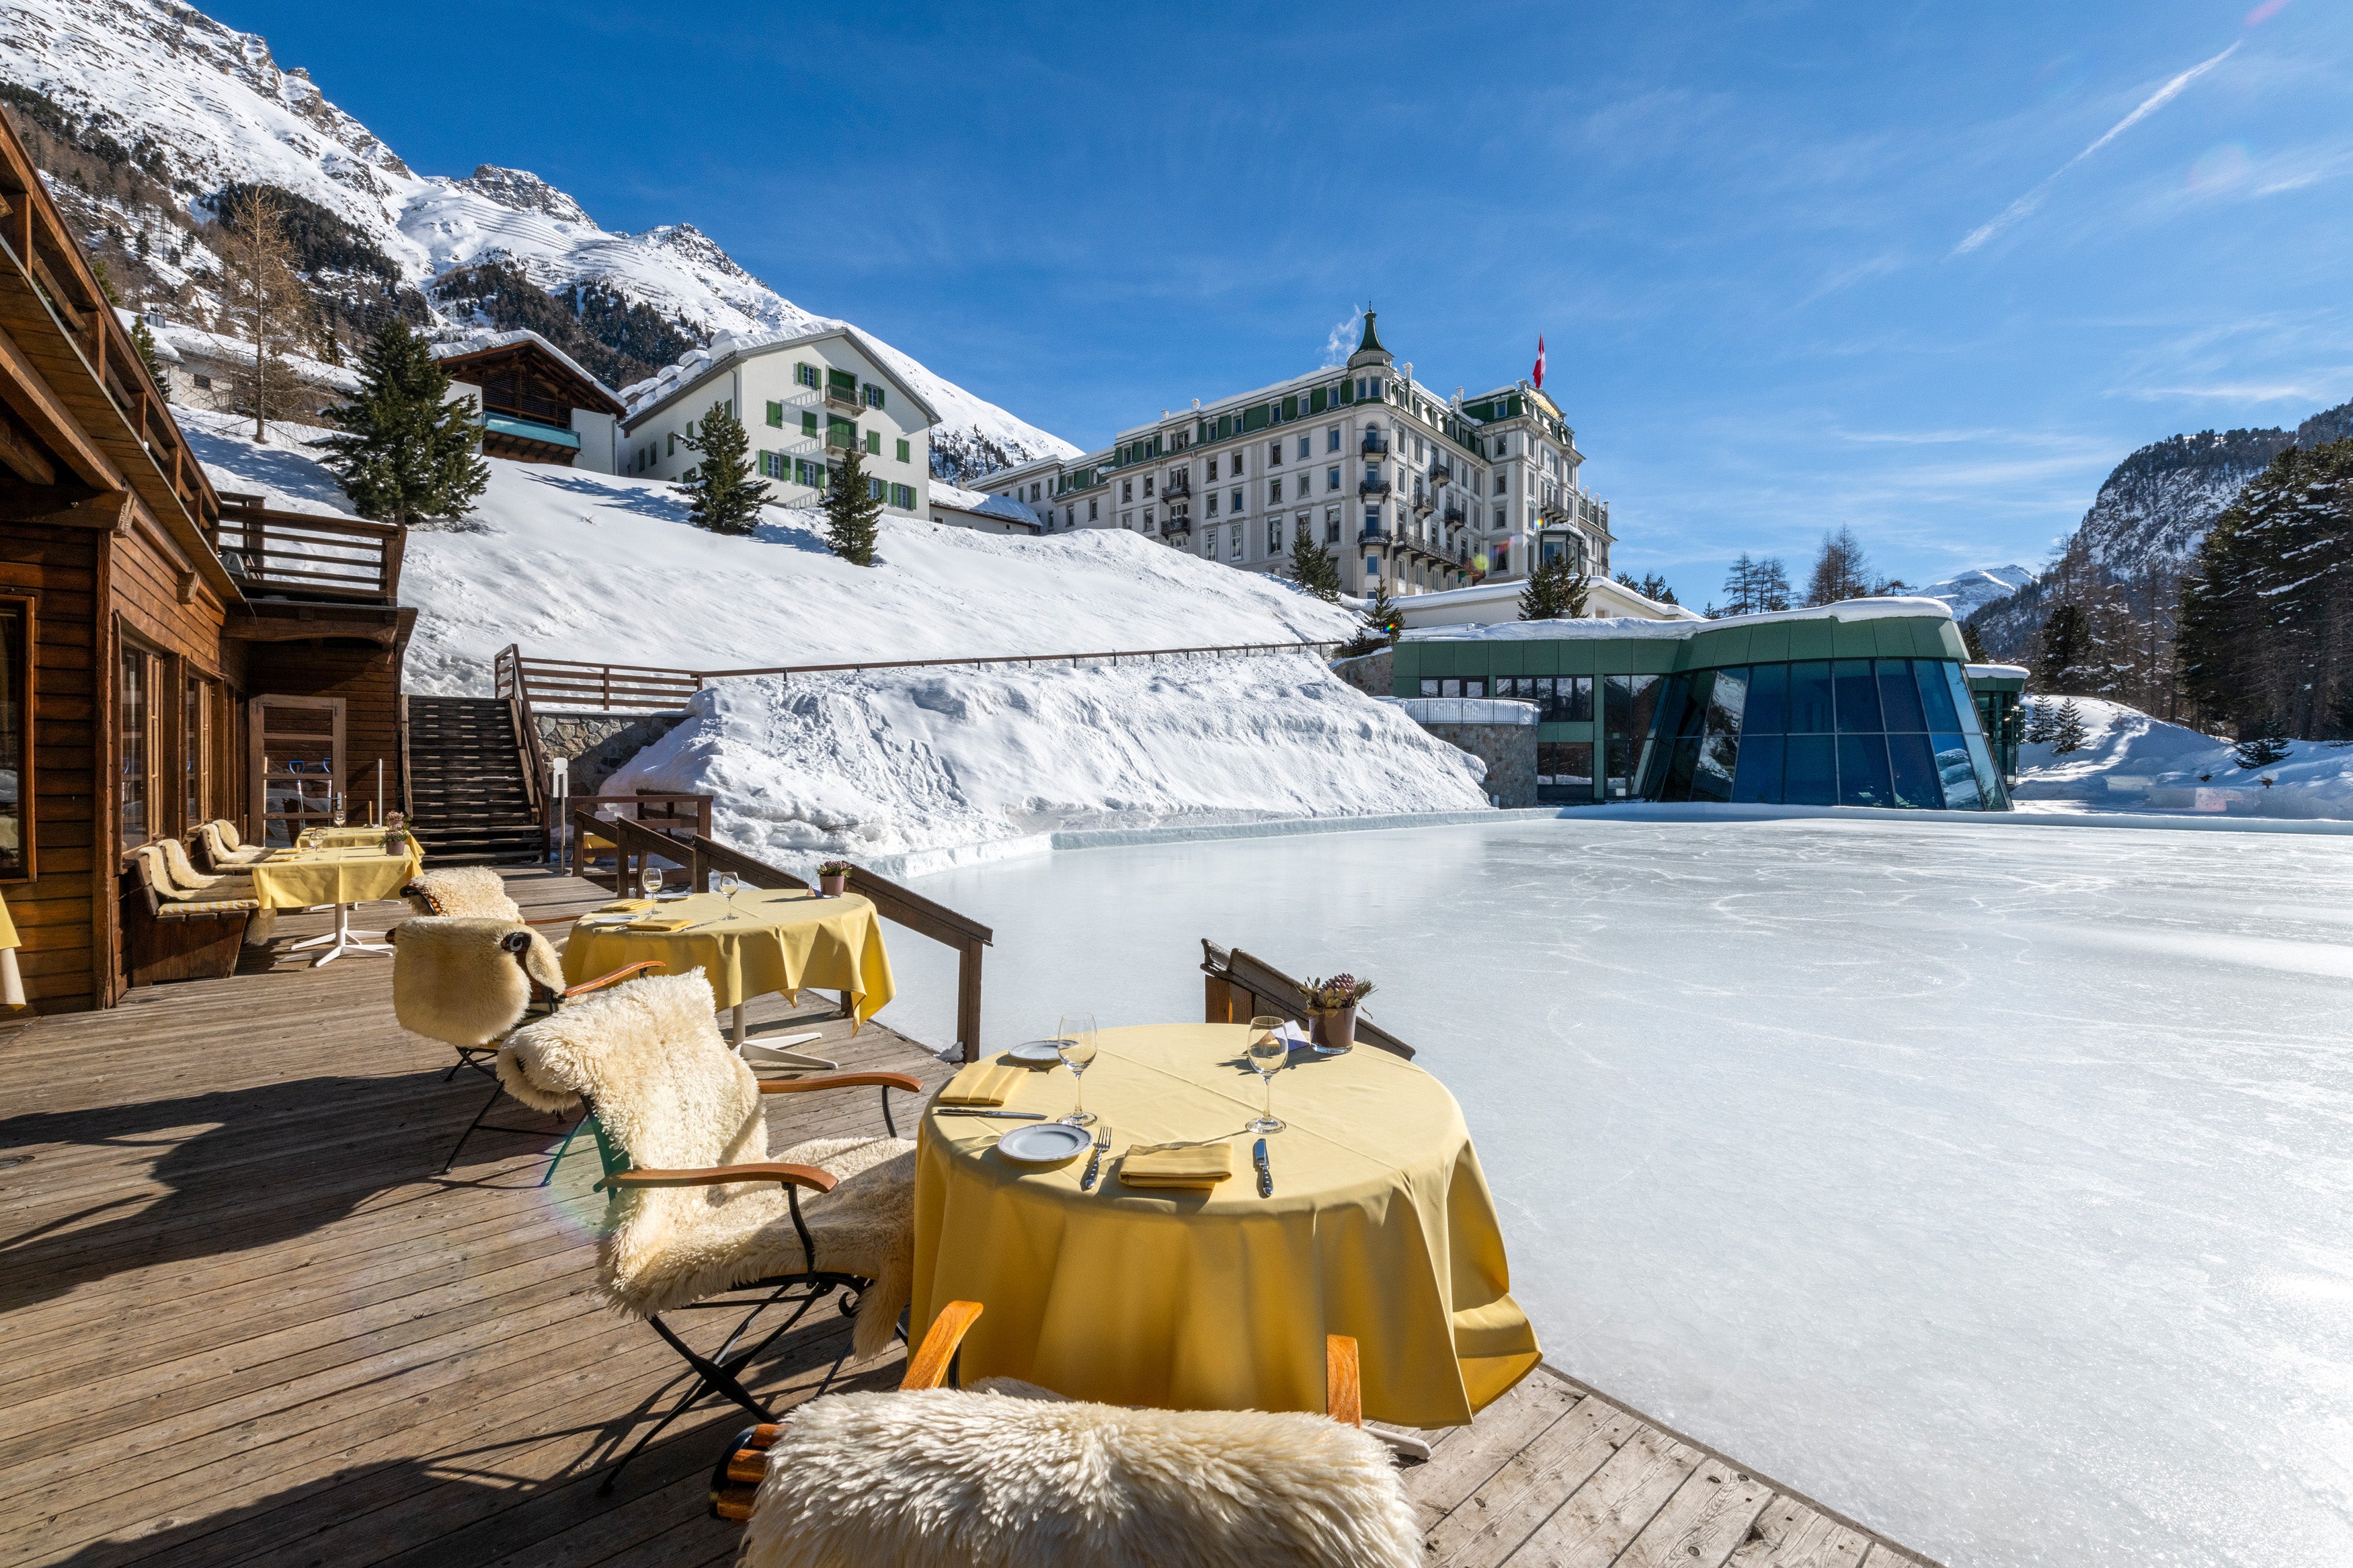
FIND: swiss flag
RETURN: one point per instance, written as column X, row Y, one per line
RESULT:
column 1539, row 375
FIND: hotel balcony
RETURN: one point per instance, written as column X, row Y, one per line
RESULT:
column 1454, row 515
column 1179, row 483
column 1373, row 487
column 1374, row 443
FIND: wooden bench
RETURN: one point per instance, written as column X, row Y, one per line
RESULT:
column 174, row 936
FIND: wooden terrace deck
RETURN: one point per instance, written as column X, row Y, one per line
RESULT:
column 242, row 1323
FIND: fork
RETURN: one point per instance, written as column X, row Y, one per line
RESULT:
column 1095, row 1160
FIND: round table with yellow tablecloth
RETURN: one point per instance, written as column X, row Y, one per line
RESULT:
column 1380, row 1227
column 12, row 980
column 306, row 878
column 785, row 940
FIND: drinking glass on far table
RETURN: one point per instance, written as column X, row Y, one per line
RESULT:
column 728, row 882
column 1268, row 1052
column 650, row 880
column 1075, row 1039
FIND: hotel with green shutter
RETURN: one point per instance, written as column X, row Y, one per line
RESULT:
column 1866, row 704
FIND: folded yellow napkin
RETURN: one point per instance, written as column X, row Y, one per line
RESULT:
column 1200, row 1165
column 626, row 907
column 660, row 925
column 982, row 1083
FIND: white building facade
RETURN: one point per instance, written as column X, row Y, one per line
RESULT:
column 802, row 401
column 1408, row 490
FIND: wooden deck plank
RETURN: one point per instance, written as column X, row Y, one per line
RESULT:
column 243, row 1324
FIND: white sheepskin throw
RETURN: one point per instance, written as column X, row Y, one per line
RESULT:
column 978, row 1479
column 213, row 838
column 452, row 982
column 648, row 1054
column 464, row 890
column 184, row 875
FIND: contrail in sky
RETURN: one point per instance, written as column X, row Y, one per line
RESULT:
column 2148, row 106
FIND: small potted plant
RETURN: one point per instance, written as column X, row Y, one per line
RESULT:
column 833, row 879
column 1332, row 1011
column 395, row 833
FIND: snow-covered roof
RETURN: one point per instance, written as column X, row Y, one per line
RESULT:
column 982, row 504
column 1498, row 590
column 1465, row 710
column 699, row 365
column 176, row 342
column 1999, row 671
column 482, row 342
column 1621, row 627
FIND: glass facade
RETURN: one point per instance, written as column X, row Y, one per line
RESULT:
column 1847, row 731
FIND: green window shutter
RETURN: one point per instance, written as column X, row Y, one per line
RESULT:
column 776, row 414
column 673, row 445
column 905, row 453
column 1315, row 401
column 875, row 443
column 839, row 432
column 1291, row 408
column 841, row 381
column 808, row 421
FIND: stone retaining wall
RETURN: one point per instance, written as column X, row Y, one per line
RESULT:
column 598, row 743
column 1508, row 750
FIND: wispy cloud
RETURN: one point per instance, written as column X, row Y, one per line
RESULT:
column 2034, row 198
column 1342, row 341
column 2314, row 391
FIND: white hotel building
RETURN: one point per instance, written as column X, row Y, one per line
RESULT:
column 1416, row 492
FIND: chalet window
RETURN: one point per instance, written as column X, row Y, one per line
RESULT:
column 673, row 444
column 196, row 792
column 772, row 465
column 138, row 725
column 904, row 497
column 1274, row 491
column 16, row 753
column 808, row 421
column 839, row 432
column 203, row 382
column 808, row 473
column 876, row 489
column 805, row 374
column 776, row 414
column 841, row 384
column 1331, row 478
column 906, row 453
column 874, row 395
column 1273, row 535
column 1092, row 511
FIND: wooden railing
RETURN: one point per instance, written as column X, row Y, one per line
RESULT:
column 306, row 555
column 700, row 855
column 560, row 683
column 1237, row 987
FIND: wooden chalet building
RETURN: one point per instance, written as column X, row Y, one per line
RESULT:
column 168, row 655
column 538, row 405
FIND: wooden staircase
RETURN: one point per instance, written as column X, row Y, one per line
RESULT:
column 468, row 788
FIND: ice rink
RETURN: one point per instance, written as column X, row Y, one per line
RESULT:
column 1993, row 1183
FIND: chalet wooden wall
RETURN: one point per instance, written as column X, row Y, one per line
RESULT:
column 366, row 676
column 55, row 913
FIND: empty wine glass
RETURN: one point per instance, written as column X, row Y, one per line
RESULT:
column 650, row 880
column 1075, row 1038
column 339, row 811
column 728, row 882
column 1267, row 1051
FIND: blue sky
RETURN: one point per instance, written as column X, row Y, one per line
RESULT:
column 1925, row 270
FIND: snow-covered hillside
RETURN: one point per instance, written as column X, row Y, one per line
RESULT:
column 201, row 105
column 1968, row 592
column 2132, row 761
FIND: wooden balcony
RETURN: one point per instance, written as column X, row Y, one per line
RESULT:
column 303, row 555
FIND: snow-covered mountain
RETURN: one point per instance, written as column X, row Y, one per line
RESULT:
column 161, row 101
column 1972, row 591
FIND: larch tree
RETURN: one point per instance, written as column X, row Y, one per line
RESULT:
column 262, row 301
column 1841, row 571
column 403, row 454
column 722, row 495
column 852, row 515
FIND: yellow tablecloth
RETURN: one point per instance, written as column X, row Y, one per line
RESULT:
column 781, row 941
column 299, row 878
column 1380, row 1227
column 8, row 928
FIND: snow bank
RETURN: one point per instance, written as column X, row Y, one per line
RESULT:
column 589, row 566
column 2132, row 761
column 1618, row 627
column 896, row 762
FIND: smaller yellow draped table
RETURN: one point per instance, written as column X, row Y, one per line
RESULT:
column 786, row 940
column 1380, row 1227
column 358, row 835
column 12, row 981
column 306, row 878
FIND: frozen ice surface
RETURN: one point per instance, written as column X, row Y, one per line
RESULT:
column 1988, row 1182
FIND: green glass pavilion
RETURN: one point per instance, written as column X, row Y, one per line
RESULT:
column 1863, row 703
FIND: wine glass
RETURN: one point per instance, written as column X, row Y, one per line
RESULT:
column 1268, row 1052
column 650, row 881
column 339, row 811
column 728, row 882
column 1075, row 1038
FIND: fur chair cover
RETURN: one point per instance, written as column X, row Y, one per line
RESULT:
column 462, row 891
column 213, row 843
column 452, row 982
column 184, row 875
column 668, row 1090
column 979, row 1479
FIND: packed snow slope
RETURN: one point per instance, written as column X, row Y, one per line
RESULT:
column 2132, row 761
column 906, row 762
column 202, row 105
column 603, row 569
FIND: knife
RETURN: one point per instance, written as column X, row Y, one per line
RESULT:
column 971, row 1110
column 1265, row 1175
column 1095, row 1160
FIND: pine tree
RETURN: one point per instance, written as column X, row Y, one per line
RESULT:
column 2038, row 722
column 144, row 341
column 1651, row 585
column 1378, row 627
column 722, row 495
column 405, row 456
column 1971, row 645
column 850, row 514
column 1772, row 585
column 1555, row 591
column 1313, row 568
column 2260, row 751
column 2063, row 647
column 2067, row 731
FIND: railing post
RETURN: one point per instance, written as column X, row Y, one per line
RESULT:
column 968, row 1000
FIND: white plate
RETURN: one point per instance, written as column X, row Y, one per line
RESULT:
column 1035, row 1052
column 1044, row 1142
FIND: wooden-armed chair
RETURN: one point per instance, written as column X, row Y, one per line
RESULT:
column 1006, row 1474
column 704, row 1217
column 220, row 850
column 469, row 983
